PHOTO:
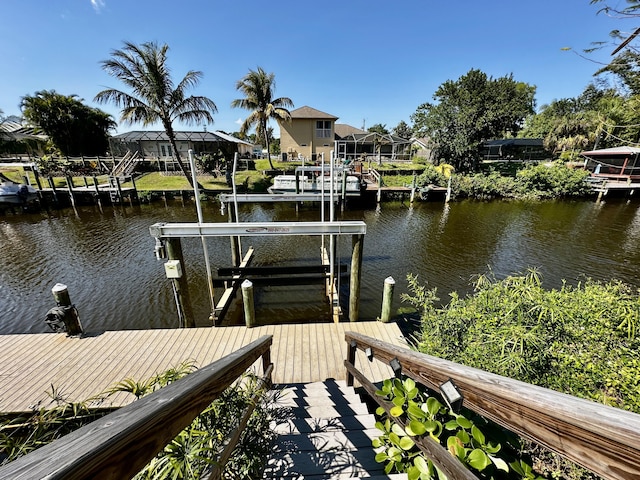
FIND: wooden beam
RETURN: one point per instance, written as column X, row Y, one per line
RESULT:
column 276, row 270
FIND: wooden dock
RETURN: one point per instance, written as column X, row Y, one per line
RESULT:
column 79, row 368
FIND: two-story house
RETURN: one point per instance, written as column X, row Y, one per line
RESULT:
column 309, row 134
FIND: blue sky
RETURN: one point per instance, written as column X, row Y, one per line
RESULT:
column 364, row 61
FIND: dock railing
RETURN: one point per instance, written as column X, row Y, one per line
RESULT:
column 120, row 444
column 600, row 438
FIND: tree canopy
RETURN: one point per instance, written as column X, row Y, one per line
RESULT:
column 403, row 130
column 74, row 128
column 471, row 110
column 154, row 97
column 258, row 88
column 378, row 128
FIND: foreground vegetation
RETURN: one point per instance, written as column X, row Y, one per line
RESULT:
column 190, row 455
column 581, row 340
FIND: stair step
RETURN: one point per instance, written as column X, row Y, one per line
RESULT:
column 332, row 464
column 309, row 425
column 329, row 411
column 326, row 432
column 325, row 441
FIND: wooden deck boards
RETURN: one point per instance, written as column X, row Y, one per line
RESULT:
column 80, row 368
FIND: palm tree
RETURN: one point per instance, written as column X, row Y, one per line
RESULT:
column 258, row 87
column 143, row 68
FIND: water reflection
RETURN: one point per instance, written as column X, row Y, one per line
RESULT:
column 106, row 256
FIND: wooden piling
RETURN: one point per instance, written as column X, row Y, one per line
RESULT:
column 119, row 189
column 413, row 189
column 247, row 301
column 36, row 175
column 357, row 242
column 52, row 185
column 181, row 285
column 71, row 317
column 70, row 188
column 387, row 299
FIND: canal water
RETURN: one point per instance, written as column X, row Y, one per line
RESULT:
column 106, row 256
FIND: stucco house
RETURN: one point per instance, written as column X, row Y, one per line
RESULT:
column 309, row 134
column 312, row 132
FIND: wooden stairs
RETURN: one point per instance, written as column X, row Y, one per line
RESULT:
column 325, row 432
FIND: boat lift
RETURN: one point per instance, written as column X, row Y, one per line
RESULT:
column 170, row 233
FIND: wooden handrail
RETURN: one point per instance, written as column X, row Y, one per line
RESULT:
column 120, row 444
column 600, row 438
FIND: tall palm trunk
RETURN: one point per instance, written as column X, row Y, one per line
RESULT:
column 172, row 140
column 266, row 139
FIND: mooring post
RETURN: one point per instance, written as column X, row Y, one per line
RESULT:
column 357, row 242
column 181, row 285
column 247, row 301
column 71, row 318
column 387, row 299
column 119, row 189
column 52, row 185
column 70, row 188
column 36, row 175
column 413, row 189
column 95, row 185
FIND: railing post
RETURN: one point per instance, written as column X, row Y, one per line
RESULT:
column 266, row 363
column 351, row 358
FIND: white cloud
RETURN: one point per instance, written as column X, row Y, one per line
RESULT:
column 98, row 5
column 239, row 121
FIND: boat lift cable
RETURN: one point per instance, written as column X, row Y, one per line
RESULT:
column 178, row 305
column 235, row 196
column 332, row 218
column 204, row 240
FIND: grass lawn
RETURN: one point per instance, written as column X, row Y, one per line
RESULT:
column 397, row 180
column 246, row 180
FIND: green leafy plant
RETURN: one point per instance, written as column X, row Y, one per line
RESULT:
column 415, row 413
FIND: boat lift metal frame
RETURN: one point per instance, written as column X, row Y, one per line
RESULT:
column 248, row 229
column 268, row 198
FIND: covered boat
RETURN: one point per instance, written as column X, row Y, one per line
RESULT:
column 312, row 180
column 17, row 194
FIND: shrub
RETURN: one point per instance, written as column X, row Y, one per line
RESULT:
column 581, row 340
column 431, row 175
column 554, row 181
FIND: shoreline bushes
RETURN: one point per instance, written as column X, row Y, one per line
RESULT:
column 532, row 182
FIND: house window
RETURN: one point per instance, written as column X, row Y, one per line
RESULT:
column 323, row 129
column 165, row 150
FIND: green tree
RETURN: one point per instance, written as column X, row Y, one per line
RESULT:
column 154, row 97
column 73, row 127
column 258, row 88
column 598, row 118
column 378, row 128
column 471, row 110
column 403, row 130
